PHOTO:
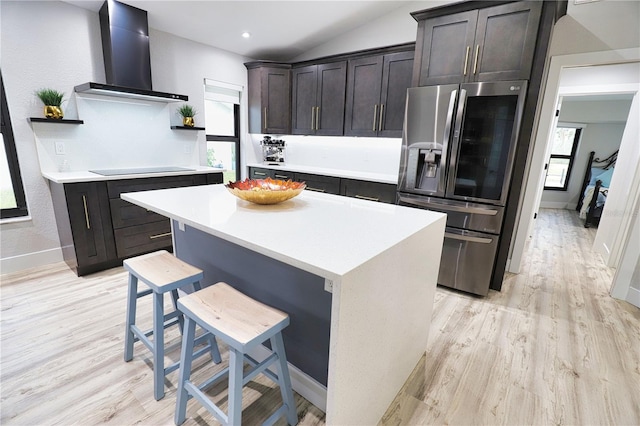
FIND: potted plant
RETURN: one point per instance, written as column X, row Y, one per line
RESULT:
column 52, row 100
column 187, row 112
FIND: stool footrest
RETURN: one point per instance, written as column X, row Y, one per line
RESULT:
column 143, row 293
column 267, row 373
column 192, row 390
column 261, row 368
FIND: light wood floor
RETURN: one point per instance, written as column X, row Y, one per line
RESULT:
column 551, row 348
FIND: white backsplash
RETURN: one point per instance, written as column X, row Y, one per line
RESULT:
column 366, row 155
column 117, row 133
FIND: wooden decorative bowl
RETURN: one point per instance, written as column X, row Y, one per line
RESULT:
column 265, row 191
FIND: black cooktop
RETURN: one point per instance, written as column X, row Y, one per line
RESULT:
column 140, row 170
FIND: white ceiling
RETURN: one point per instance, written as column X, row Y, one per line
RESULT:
column 280, row 30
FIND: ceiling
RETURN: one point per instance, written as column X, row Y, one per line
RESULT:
column 280, row 30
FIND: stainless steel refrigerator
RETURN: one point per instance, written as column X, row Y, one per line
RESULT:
column 458, row 147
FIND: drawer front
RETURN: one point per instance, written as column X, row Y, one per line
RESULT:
column 117, row 187
column 257, row 173
column 139, row 239
column 374, row 191
column 124, row 214
column 316, row 183
column 282, row 175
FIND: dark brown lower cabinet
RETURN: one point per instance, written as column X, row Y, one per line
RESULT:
column 366, row 190
column 98, row 230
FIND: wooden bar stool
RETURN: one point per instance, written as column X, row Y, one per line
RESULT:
column 163, row 273
column 242, row 323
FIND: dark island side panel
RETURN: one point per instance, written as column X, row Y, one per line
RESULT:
column 296, row 292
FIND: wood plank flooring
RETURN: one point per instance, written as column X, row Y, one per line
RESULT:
column 551, row 348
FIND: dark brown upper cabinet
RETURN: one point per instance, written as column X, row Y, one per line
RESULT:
column 317, row 103
column 269, row 97
column 489, row 44
column 376, row 94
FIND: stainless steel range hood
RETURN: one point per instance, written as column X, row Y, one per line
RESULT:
column 127, row 61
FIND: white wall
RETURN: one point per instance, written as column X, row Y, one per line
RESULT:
column 54, row 44
column 396, row 27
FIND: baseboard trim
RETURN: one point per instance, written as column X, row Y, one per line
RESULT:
column 305, row 385
column 633, row 296
column 553, row 205
column 30, row 260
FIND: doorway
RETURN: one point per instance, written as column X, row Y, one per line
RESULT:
column 589, row 73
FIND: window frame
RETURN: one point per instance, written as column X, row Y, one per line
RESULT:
column 21, row 209
column 571, row 157
column 235, row 138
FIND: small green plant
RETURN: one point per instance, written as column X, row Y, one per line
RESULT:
column 187, row 110
column 50, row 97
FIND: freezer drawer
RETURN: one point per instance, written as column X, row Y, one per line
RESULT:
column 460, row 214
column 467, row 260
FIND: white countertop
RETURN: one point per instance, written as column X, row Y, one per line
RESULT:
column 374, row 177
column 327, row 235
column 87, row 176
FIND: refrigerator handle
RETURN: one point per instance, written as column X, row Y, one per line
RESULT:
column 455, row 141
column 445, row 141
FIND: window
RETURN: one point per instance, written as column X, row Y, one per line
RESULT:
column 222, row 125
column 12, row 199
column 563, row 151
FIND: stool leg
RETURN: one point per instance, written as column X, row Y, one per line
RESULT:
column 174, row 299
column 236, row 362
column 284, row 380
column 158, row 345
column 213, row 344
column 132, row 299
column 186, row 358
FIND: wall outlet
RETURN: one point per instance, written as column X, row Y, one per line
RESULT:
column 187, row 148
column 60, row 148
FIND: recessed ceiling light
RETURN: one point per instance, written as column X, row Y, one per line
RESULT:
column 246, row 34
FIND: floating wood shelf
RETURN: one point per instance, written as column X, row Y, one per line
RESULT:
column 54, row 120
column 186, row 128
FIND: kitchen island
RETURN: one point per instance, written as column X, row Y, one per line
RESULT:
column 357, row 278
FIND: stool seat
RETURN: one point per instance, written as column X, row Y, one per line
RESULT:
column 228, row 313
column 242, row 323
column 162, row 272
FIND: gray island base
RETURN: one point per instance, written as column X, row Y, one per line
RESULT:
column 357, row 277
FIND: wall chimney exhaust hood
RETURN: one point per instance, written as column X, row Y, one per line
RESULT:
column 127, row 59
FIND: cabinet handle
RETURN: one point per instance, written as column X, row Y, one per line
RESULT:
column 466, row 59
column 362, row 197
column 375, row 116
column 153, row 237
column 86, row 212
column 265, row 119
column 259, row 174
column 475, row 61
column 313, row 127
column 315, row 189
column 281, row 177
column 380, row 122
column 317, row 117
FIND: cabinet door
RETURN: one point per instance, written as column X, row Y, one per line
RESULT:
column 276, row 106
column 363, row 96
column 304, row 83
column 444, row 46
column 90, row 220
column 505, row 41
column 396, row 79
column 332, row 80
